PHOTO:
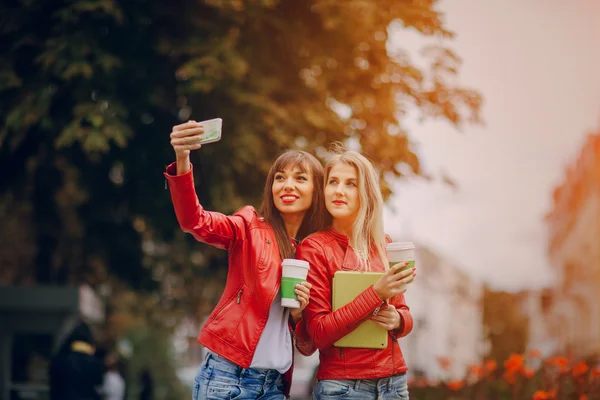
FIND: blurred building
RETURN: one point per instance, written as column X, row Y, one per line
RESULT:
column 566, row 317
column 446, row 305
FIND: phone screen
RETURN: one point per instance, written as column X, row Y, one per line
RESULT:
column 212, row 130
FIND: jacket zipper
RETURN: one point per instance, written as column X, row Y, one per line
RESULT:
column 393, row 361
column 264, row 261
column 166, row 182
column 229, row 305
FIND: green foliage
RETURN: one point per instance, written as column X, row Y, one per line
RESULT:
column 152, row 350
column 89, row 90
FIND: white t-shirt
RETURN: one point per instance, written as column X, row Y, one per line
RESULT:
column 274, row 349
column 113, row 387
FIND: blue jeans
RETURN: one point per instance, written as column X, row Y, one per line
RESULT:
column 393, row 387
column 220, row 379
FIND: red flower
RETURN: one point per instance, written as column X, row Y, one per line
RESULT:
column 510, row 377
column 543, row 395
column 476, row 371
column 445, row 363
column 595, row 372
column 455, row 385
column 561, row 362
column 534, row 353
column 422, row 382
column 528, row 373
column 490, row 366
column 514, row 364
column 581, row 368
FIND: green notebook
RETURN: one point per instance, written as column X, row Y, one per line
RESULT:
column 346, row 286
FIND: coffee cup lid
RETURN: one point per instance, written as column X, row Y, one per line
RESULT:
column 401, row 246
column 295, row 263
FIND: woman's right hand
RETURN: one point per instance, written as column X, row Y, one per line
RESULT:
column 185, row 137
column 392, row 282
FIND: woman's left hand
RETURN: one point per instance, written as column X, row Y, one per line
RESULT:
column 387, row 317
column 303, row 292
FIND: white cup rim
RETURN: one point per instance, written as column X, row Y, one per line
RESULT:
column 292, row 262
column 397, row 246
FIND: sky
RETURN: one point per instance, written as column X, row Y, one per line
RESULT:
column 537, row 65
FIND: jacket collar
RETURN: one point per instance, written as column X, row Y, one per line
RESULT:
column 351, row 262
column 338, row 236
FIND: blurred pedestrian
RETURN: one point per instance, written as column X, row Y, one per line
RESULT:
column 113, row 387
column 147, row 385
column 75, row 373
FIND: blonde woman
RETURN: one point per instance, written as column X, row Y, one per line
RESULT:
column 355, row 240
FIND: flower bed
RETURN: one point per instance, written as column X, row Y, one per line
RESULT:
column 523, row 376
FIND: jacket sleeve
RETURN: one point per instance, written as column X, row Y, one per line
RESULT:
column 406, row 320
column 303, row 342
column 208, row 227
column 324, row 326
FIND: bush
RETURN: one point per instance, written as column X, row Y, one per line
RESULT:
column 523, row 376
column 152, row 350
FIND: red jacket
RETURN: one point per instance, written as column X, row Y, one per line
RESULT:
column 237, row 322
column 328, row 252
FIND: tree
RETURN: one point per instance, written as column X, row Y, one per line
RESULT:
column 505, row 323
column 90, row 90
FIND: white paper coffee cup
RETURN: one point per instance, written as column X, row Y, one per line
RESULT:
column 293, row 272
column 399, row 252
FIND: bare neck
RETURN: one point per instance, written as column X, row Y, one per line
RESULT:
column 292, row 223
column 344, row 227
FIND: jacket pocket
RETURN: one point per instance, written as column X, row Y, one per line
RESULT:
column 224, row 321
column 234, row 300
column 262, row 254
column 333, row 389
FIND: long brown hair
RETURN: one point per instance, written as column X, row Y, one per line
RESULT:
column 314, row 217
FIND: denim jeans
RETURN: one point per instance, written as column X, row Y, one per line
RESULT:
column 220, row 379
column 393, row 387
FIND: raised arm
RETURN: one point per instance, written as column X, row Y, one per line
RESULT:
column 209, row 227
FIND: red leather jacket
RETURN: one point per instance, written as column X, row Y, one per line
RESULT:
column 237, row 322
column 328, row 252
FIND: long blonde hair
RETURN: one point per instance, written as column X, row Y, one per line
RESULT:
column 367, row 229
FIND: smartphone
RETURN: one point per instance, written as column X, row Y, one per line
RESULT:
column 212, row 130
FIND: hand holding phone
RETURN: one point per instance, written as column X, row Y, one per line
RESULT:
column 212, row 131
column 192, row 135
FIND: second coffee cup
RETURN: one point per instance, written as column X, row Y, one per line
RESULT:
column 398, row 252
